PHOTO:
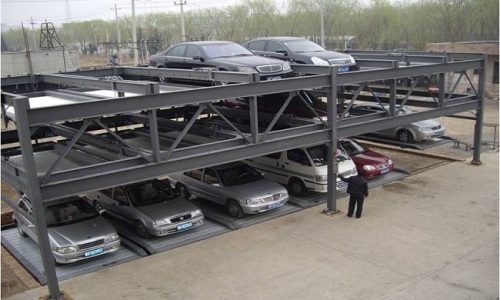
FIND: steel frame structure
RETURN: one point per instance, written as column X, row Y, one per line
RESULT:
column 148, row 103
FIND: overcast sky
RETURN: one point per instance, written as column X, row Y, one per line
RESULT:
column 15, row 12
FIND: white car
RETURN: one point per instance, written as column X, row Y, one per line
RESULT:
column 413, row 132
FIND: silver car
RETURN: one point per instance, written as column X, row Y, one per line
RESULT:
column 237, row 186
column 152, row 207
column 76, row 230
column 413, row 132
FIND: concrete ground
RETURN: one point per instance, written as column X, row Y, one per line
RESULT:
column 432, row 235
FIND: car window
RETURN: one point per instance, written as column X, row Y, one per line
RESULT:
column 298, row 156
column 210, row 177
column 274, row 47
column 108, row 192
column 177, row 51
column 257, row 45
column 276, row 155
column 119, row 194
column 193, row 51
column 239, row 174
column 303, row 46
column 196, row 174
column 23, row 206
column 225, row 50
column 69, row 212
column 150, row 192
column 352, row 148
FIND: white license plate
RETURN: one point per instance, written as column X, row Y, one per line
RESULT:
column 93, row 252
column 273, row 78
column 343, row 69
column 383, row 171
column 439, row 133
column 184, row 226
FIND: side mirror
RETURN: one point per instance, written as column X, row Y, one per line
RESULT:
column 216, row 185
column 282, row 51
column 200, row 58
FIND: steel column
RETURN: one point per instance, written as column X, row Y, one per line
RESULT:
column 331, row 195
column 478, row 127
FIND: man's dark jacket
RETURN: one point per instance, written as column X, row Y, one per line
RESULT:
column 357, row 187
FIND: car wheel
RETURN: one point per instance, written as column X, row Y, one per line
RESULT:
column 21, row 232
column 234, row 209
column 405, row 136
column 297, row 187
column 141, row 230
column 183, row 191
column 96, row 205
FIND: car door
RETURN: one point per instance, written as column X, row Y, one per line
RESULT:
column 297, row 163
column 276, row 50
column 271, row 166
column 115, row 201
column 192, row 180
column 212, row 187
column 175, row 58
column 258, row 47
column 194, row 58
column 24, row 223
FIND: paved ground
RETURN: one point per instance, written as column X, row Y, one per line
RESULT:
column 433, row 235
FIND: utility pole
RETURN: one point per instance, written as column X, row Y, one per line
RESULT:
column 33, row 32
column 134, row 35
column 183, row 28
column 119, row 37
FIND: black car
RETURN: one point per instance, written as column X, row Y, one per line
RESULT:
column 222, row 55
column 301, row 51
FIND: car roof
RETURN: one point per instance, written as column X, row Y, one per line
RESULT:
column 227, row 166
column 206, row 43
column 280, row 38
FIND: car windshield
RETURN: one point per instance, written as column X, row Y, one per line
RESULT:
column 150, row 192
column 318, row 155
column 298, row 46
column 225, row 50
column 352, row 148
column 69, row 212
column 238, row 175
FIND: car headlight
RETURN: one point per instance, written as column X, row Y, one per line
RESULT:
column 254, row 201
column 196, row 213
column 111, row 238
column 284, row 194
column 157, row 223
column 368, row 168
column 353, row 61
column 320, row 62
column 321, row 178
column 246, row 69
column 424, row 129
column 66, row 250
column 390, row 162
column 286, row 66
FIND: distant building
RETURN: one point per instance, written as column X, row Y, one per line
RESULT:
column 490, row 48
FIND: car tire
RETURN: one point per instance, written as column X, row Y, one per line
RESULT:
column 234, row 209
column 405, row 136
column 183, row 191
column 297, row 187
column 141, row 230
column 21, row 232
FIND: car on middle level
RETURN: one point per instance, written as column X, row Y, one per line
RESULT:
column 409, row 133
column 222, row 56
column 300, row 51
column 372, row 164
column 236, row 186
column 152, row 207
column 303, row 104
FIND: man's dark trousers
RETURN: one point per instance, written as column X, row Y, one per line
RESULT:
column 358, row 202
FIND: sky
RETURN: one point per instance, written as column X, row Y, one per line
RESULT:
column 15, row 12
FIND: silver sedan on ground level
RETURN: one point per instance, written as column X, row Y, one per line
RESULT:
column 152, row 207
column 237, row 186
column 76, row 230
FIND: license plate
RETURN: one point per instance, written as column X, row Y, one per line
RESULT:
column 383, row 171
column 94, row 252
column 274, row 205
column 343, row 69
column 273, row 78
column 184, row 226
column 341, row 185
column 439, row 133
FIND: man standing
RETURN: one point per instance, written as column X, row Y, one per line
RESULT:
column 357, row 188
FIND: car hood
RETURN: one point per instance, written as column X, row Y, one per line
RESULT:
column 369, row 158
column 427, row 123
column 248, row 60
column 167, row 209
column 77, row 233
column 260, row 188
column 326, row 55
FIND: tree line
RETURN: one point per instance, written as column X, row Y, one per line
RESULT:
column 377, row 25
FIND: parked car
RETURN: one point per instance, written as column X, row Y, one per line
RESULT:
column 76, row 230
column 368, row 162
column 304, row 169
column 301, row 51
column 224, row 56
column 315, row 109
column 237, row 186
column 153, row 207
column 413, row 132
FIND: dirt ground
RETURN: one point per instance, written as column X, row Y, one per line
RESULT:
column 15, row 279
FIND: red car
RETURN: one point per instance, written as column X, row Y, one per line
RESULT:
column 371, row 163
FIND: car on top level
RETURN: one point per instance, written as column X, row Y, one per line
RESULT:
column 221, row 55
column 300, row 51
